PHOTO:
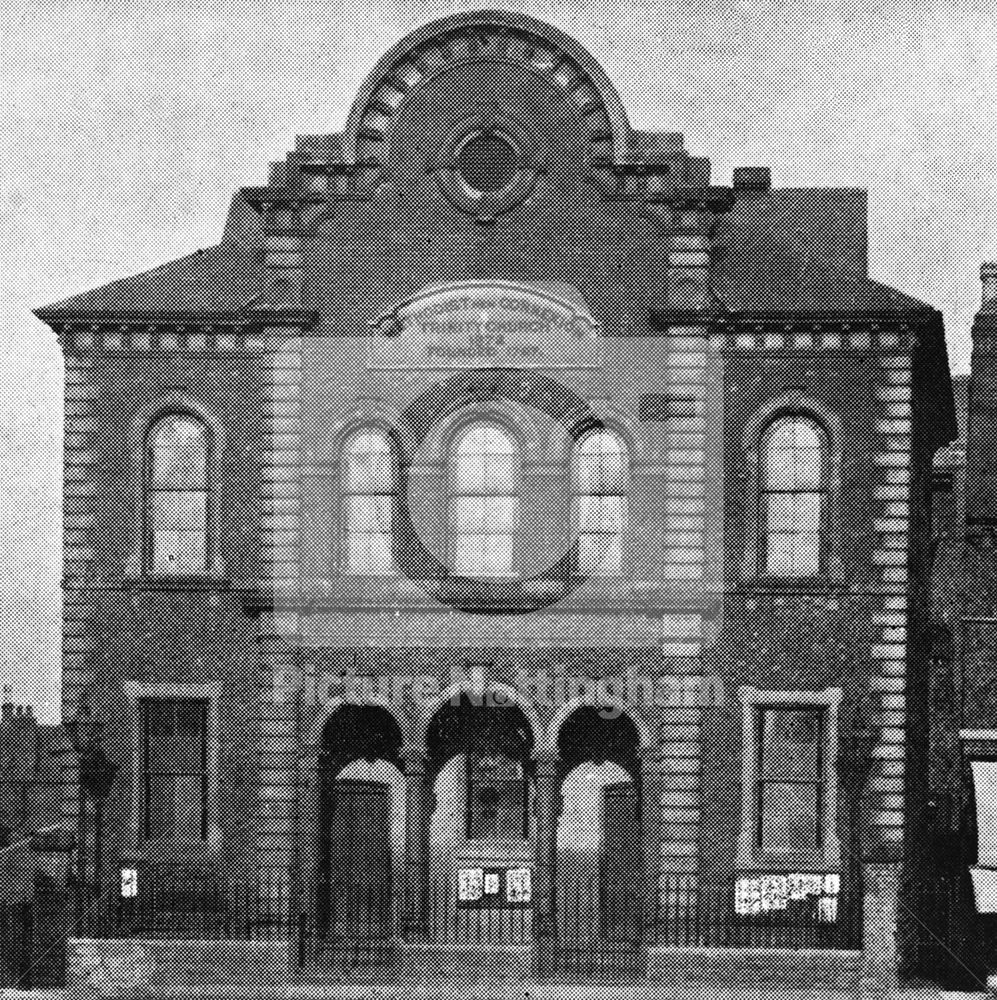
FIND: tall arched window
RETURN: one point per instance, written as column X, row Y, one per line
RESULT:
column 600, row 476
column 177, row 495
column 794, row 476
column 484, row 500
column 368, row 487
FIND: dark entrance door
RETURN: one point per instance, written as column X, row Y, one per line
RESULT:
column 620, row 864
column 359, row 852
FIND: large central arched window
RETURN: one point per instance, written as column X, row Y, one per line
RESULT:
column 368, row 493
column 177, row 495
column 600, row 474
column 794, row 497
column 484, row 500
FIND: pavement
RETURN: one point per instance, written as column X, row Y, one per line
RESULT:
column 534, row 991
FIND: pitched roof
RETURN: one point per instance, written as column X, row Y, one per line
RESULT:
column 791, row 293
column 221, row 280
column 800, row 250
column 784, row 252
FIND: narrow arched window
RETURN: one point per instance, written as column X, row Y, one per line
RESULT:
column 794, row 497
column 484, row 500
column 600, row 477
column 177, row 495
column 368, row 487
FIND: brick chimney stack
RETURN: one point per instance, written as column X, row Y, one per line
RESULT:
column 988, row 278
column 981, row 437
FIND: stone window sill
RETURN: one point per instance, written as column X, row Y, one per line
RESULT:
column 823, row 584
column 200, row 582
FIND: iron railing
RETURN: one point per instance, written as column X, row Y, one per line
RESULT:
column 351, row 933
column 598, row 931
column 690, row 913
column 694, row 913
column 229, row 911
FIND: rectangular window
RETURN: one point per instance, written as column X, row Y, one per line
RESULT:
column 793, row 547
column 789, row 779
column 174, row 764
column 600, row 535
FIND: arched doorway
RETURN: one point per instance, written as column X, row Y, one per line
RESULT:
column 599, row 847
column 361, row 837
column 481, row 829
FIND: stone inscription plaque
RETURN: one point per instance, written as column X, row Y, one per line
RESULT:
column 488, row 325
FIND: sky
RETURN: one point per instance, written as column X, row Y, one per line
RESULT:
column 125, row 128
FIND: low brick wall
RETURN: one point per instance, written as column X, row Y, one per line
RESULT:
column 112, row 967
column 138, row 968
column 790, row 969
column 467, row 963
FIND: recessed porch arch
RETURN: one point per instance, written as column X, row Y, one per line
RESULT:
column 352, row 822
column 494, row 694
column 605, row 846
column 645, row 734
column 311, row 745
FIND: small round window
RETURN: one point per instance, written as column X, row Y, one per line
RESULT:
column 487, row 162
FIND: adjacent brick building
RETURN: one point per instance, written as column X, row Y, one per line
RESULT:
column 35, row 849
column 31, row 790
column 961, row 848
column 491, row 390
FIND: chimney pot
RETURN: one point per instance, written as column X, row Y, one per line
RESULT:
column 752, row 179
column 988, row 278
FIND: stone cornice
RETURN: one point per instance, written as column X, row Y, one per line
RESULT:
column 318, row 600
column 798, row 332
column 719, row 331
column 320, row 182
column 171, row 334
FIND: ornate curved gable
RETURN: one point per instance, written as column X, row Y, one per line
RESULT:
column 435, row 56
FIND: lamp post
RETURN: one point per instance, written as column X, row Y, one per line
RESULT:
column 96, row 775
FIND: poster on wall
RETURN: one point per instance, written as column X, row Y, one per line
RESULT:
column 494, row 888
column 802, row 896
column 470, row 885
column 518, row 887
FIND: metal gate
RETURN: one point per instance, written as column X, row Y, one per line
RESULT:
column 599, row 908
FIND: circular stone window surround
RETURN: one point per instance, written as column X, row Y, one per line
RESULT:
column 481, row 189
column 487, row 162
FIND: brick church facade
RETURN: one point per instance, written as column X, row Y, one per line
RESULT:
column 507, row 544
